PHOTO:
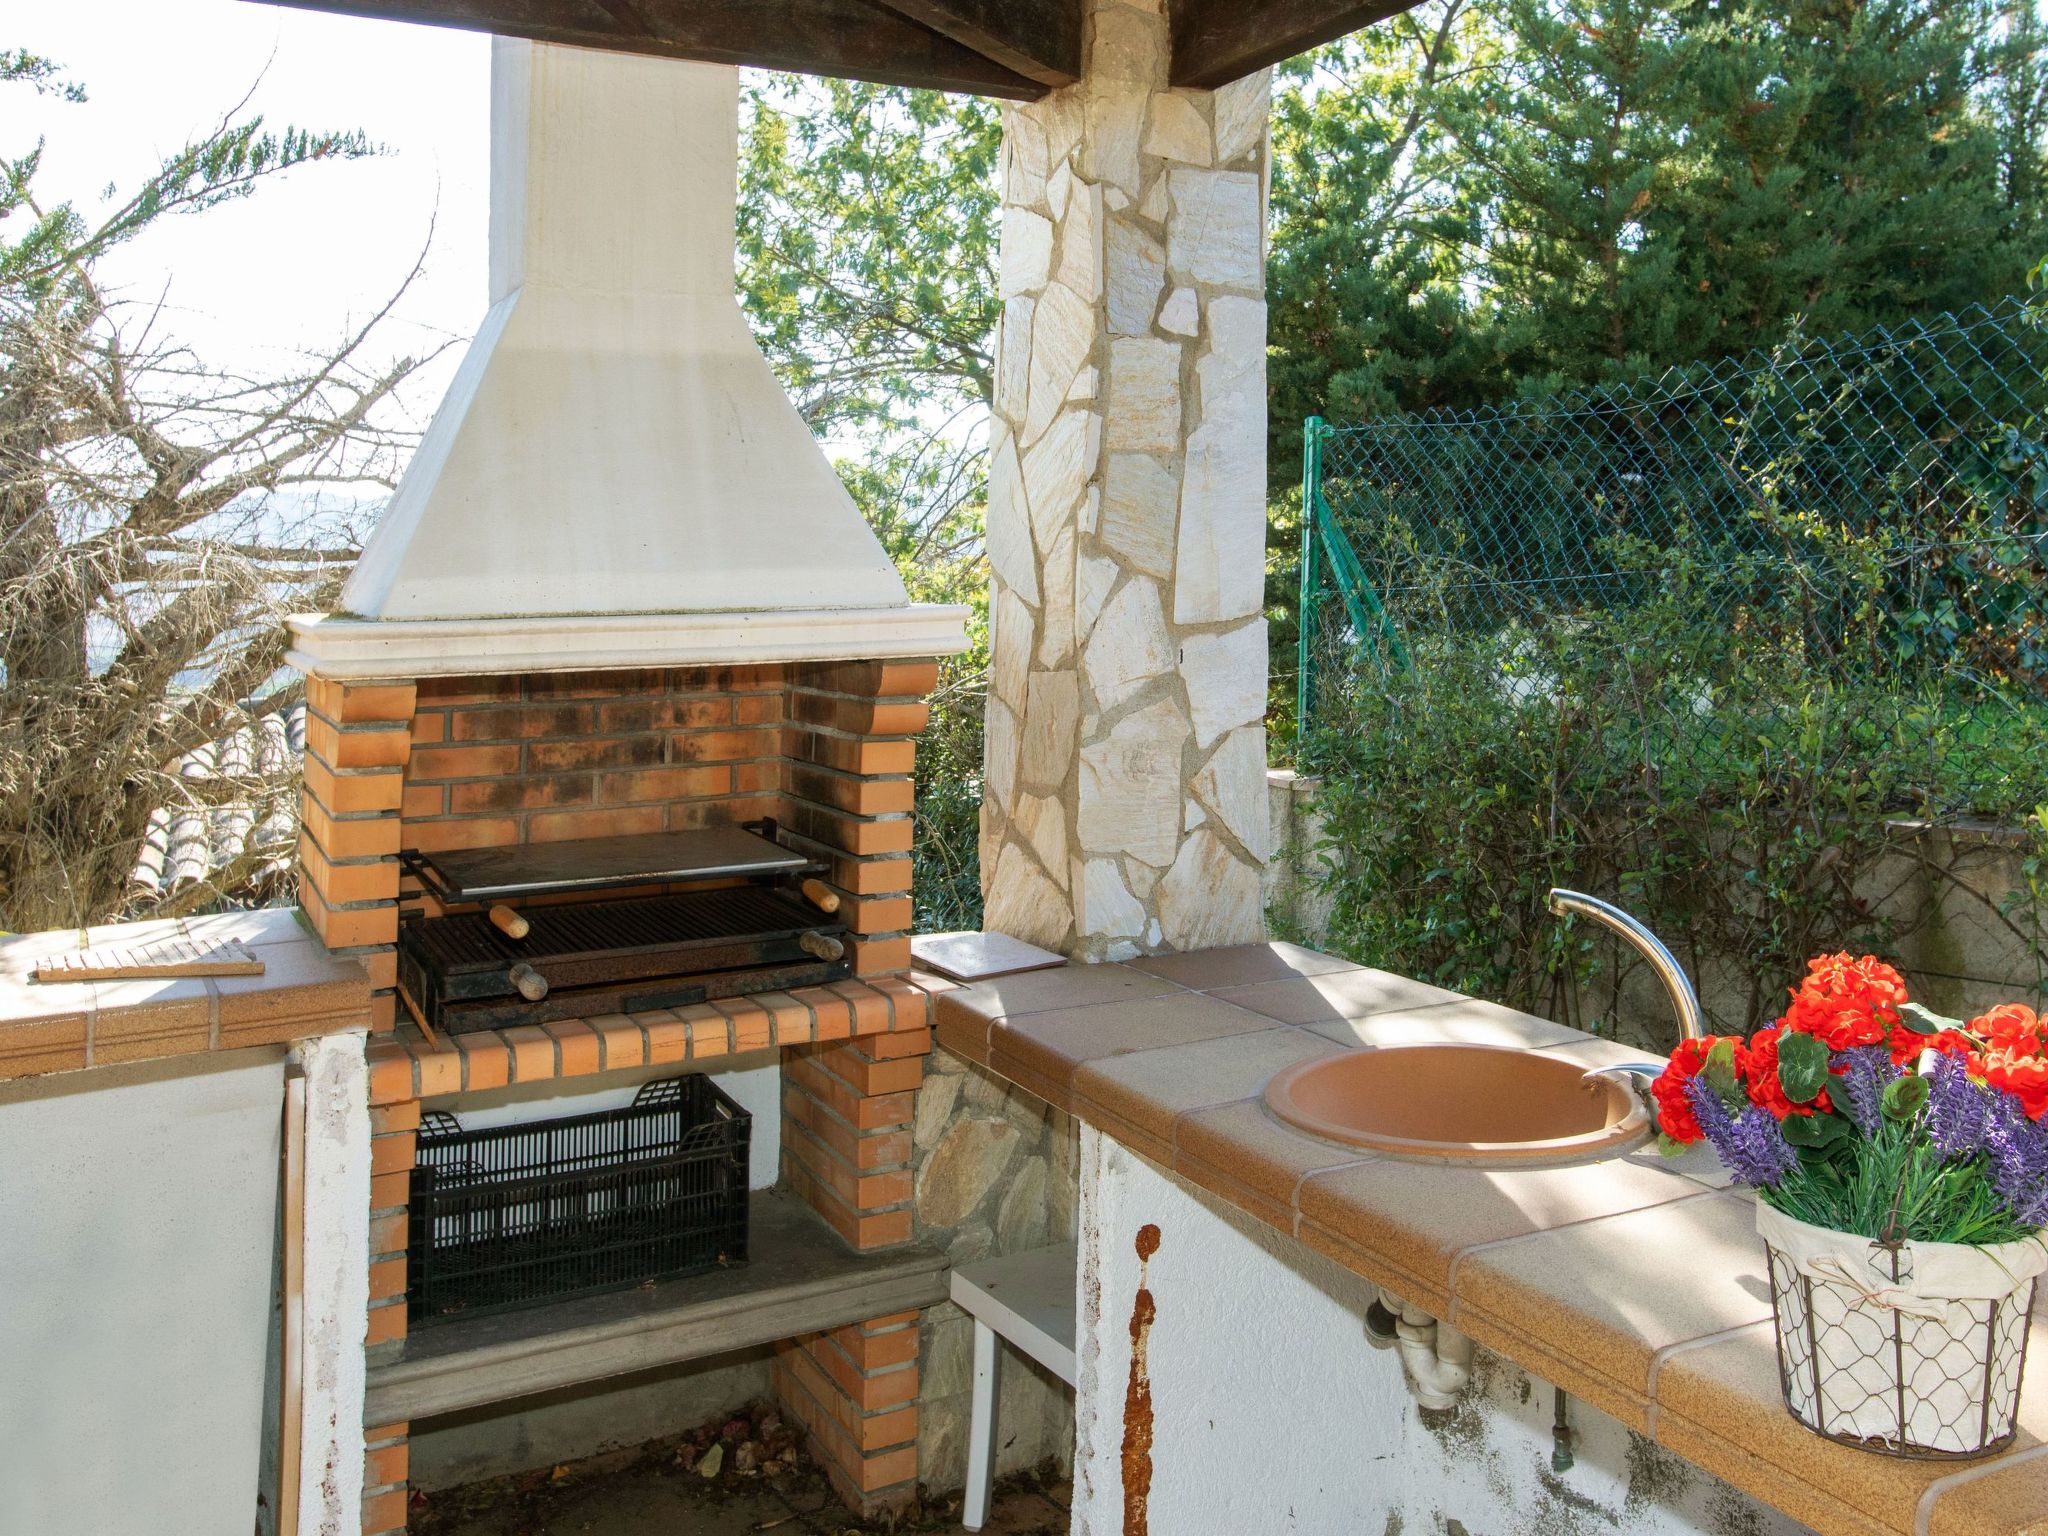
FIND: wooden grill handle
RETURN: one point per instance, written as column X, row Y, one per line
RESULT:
column 509, row 922
column 821, row 895
column 823, row 945
column 531, row 984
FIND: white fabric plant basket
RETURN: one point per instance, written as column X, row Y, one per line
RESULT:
column 1916, row 1350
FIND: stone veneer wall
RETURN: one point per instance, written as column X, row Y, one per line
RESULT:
column 1124, row 800
column 996, row 1170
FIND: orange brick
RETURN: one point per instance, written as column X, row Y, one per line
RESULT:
column 349, row 837
column 723, row 746
column 877, row 915
column 710, row 1030
column 876, row 956
column 386, row 746
column 421, row 800
column 870, row 1078
column 882, row 1230
column 387, row 1322
column 893, row 1320
column 668, row 1037
column 883, row 876
column 597, row 752
column 382, row 964
column 429, row 729
column 753, row 1027
column 462, row 832
column 878, row 1351
column 392, row 1154
column 383, row 1012
column 390, row 1074
column 463, row 762
column 624, row 821
column 512, row 794
column 384, row 1512
column 871, row 1011
column 486, row 1063
column 533, row 1053
column 390, row 1232
column 356, row 792
column 853, row 793
column 388, row 1191
column 387, row 1279
column 375, row 1434
column 620, row 1040
column 360, row 703
column 832, row 1016
column 387, row 1464
column 903, row 1042
column 577, row 1047
column 368, row 880
column 390, row 1119
column 664, row 784
column 522, row 722
column 440, row 1069
column 865, row 717
column 903, row 676
column 446, row 691
column 891, row 1467
column 792, row 1023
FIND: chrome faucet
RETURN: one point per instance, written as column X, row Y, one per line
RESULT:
column 1685, row 1002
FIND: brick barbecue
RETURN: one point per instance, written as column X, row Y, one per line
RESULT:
column 621, row 594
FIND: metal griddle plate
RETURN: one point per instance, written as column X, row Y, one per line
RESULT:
column 532, row 869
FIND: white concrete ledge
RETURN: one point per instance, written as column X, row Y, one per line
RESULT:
column 341, row 647
column 802, row 1279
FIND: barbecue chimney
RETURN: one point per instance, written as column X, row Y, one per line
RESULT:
column 615, row 477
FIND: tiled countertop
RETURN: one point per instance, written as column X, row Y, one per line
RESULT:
column 1636, row 1283
column 64, row 1026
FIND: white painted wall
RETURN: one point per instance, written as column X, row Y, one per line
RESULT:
column 336, row 1311
column 1273, row 1414
column 754, row 1080
column 138, row 1223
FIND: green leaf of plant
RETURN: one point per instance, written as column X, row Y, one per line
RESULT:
column 1802, row 1066
column 1670, row 1145
column 1903, row 1097
column 1923, row 1021
column 1719, row 1071
column 1816, row 1130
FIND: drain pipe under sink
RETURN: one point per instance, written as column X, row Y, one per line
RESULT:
column 1435, row 1357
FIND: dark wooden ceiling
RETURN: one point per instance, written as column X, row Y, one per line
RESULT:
column 1014, row 48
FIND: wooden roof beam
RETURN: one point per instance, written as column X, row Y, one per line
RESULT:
column 1040, row 41
column 859, row 39
column 1218, row 41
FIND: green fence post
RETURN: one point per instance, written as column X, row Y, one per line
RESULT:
column 1311, row 490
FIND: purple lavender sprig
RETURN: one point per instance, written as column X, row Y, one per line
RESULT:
column 1858, row 1079
column 1751, row 1144
column 1957, row 1116
column 2018, row 1150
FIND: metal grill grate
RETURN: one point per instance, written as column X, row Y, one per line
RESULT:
column 469, row 941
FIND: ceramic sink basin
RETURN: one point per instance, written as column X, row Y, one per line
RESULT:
column 1477, row 1103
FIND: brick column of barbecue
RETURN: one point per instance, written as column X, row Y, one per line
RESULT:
column 358, row 740
column 849, row 790
column 846, row 1148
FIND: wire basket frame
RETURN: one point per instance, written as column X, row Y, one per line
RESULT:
column 1933, row 1388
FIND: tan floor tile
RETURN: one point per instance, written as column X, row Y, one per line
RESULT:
column 1054, row 1044
column 2009, row 1494
column 1349, row 994
column 1730, row 1393
column 1240, row 965
column 1619, row 1289
column 1069, row 986
column 1151, row 1089
column 1421, row 1215
column 1465, row 1021
column 1244, row 1143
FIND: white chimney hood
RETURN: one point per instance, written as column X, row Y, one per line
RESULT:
column 615, row 477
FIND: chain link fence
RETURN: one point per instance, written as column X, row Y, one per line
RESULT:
column 1847, row 537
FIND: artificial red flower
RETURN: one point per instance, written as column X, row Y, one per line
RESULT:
column 1760, row 1072
column 1674, row 1112
column 2023, row 1076
column 1907, row 1044
column 2012, row 1027
column 1846, row 1002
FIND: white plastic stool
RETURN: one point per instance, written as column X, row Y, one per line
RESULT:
column 1027, row 1298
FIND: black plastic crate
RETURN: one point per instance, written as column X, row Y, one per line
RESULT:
column 521, row 1214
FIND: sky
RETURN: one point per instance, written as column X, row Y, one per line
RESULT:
column 322, row 247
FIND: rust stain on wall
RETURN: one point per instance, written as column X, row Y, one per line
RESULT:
column 1138, row 1397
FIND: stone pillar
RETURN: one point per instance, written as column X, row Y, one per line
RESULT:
column 1124, row 793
